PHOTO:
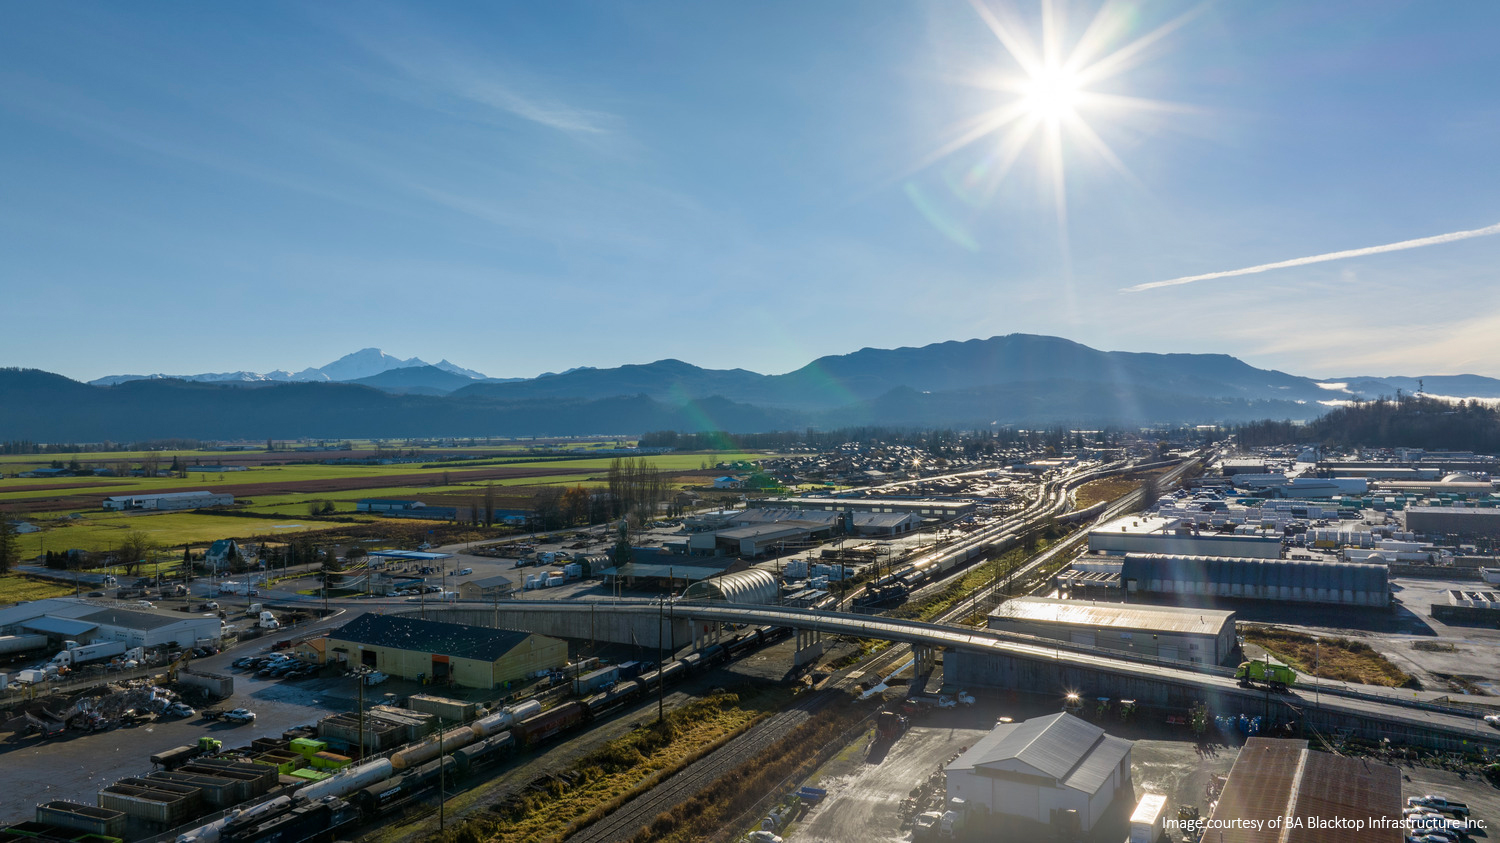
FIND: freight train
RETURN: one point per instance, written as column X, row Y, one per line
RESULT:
column 371, row 789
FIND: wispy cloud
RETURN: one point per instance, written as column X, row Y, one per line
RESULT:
column 442, row 65
column 1435, row 240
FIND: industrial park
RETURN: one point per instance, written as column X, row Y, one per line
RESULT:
column 1029, row 636
column 1004, row 421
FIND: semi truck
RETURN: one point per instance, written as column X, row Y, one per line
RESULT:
column 77, row 654
column 1277, row 677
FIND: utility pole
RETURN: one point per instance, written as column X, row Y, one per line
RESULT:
column 360, row 679
column 442, row 780
column 661, row 694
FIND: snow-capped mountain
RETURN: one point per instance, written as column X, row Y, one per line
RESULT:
column 364, row 363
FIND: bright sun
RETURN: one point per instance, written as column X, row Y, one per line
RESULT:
column 1047, row 102
column 1051, row 94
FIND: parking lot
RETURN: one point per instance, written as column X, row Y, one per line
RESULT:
column 76, row 766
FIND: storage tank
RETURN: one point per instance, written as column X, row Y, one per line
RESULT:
column 348, row 780
column 501, row 720
column 427, row 750
column 211, row 832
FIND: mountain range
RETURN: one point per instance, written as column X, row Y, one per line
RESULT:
column 365, row 363
column 1018, row 379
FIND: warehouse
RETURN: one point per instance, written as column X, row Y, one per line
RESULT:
column 1154, row 534
column 1201, row 636
column 1041, row 769
column 1454, row 521
column 1313, row 797
column 941, row 510
column 489, row 588
column 86, row 621
column 1285, row 580
column 445, row 653
column 167, row 501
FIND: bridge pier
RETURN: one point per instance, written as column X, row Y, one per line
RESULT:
column 809, row 646
column 922, row 662
column 706, row 633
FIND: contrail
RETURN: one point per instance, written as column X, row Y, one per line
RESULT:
column 1331, row 256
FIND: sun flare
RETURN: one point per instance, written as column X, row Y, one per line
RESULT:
column 1047, row 105
column 1051, row 94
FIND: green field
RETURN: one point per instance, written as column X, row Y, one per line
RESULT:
column 96, row 530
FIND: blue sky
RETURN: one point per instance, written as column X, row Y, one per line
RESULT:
column 530, row 187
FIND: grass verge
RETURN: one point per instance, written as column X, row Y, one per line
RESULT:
column 608, row 777
column 20, row 589
column 1329, row 658
column 795, row 755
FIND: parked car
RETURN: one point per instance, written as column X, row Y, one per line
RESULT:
column 1442, row 804
column 240, row 715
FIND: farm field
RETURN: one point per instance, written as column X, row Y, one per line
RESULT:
column 69, row 508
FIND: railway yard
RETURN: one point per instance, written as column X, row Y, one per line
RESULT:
column 863, row 783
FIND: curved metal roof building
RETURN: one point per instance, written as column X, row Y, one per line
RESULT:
column 752, row 588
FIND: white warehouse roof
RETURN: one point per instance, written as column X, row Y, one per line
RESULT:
column 1093, row 613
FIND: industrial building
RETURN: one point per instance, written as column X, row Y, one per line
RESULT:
column 1285, row 580
column 1201, row 636
column 1156, row 534
column 940, row 510
column 752, row 587
column 759, row 530
column 1041, row 769
column 1312, row 797
column 1454, row 521
column 167, row 501
column 445, row 653
column 88, row 621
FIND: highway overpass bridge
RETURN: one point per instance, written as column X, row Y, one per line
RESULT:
column 980, row 659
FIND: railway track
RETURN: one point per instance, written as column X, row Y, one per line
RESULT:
column 623, row 823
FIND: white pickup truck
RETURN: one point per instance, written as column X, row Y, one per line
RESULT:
column 1438, row 803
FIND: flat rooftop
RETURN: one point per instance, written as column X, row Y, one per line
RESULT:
column 1094, row 613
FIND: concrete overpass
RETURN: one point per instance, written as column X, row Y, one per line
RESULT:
column 979, row 659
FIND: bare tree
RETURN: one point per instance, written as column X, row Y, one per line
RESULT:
column 133, row 549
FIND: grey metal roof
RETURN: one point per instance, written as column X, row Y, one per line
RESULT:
column 59, row 626
column 777, row 530
column 1072, row 751
column 133, row 619
column 1114, row 615
column 444, row 639
column 1291, row 573
column 491, row 582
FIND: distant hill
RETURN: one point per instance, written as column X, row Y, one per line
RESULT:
column 831, row 382
column 1454, row 386
column 421, row 380
column 1018, row 379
